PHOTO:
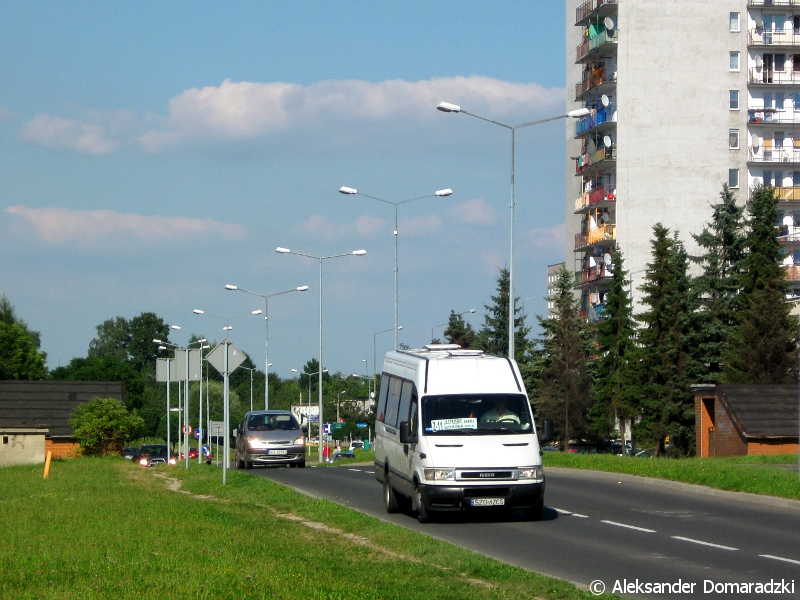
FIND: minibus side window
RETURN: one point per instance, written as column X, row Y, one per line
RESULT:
column 393, row 401
column 405, row 400
column 382, row 396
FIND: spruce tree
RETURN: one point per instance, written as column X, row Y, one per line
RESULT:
column 763, row 348
column 565, row 389
column 666, row 365
column 616, row 390
column 493, row 336
column 460, row 332
column 717, row 287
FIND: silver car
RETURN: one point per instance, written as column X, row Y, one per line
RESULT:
column 270, row 437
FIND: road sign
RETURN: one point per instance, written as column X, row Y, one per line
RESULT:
column 361, row 425
column 326, row 428
column 186, row 429
column 198, row 433
column 338, row 425
column 217, row 357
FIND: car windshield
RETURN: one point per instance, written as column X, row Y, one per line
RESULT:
column 155, row 451
column 272, row 422
column 476, row 414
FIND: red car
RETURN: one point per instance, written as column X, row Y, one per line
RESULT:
column 193, row 453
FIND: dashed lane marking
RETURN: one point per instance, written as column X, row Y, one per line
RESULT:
column 789, row 560
column 702, row 543
column 561, row 511
column 629, row 526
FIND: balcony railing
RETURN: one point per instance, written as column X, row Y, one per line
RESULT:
column 783, row 194
column 773, row 77
column 589, row 45
column 597, row 195
column 788, row 234
column 771, row 115
column 603, row 115
column 585, row 161
column 773, row 155
column 588, row 7
column 604, row 233
column 773, row 3
column 783, row 37
column 593, row 274
column 791, row 272
column 597, row 77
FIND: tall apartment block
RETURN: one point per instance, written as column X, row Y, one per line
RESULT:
column 684, row 96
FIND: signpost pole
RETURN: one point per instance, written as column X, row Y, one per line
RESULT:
column 225, row 419
column 169, row 448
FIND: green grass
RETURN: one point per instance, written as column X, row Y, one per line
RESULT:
column 738, row 474
column 108, row 528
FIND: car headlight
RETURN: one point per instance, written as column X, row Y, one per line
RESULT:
column 300, row 441
column 144, row 462
column 439, row 474
column 254, row 442
column 172, row 461
column 535, row 473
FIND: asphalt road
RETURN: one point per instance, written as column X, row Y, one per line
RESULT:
column 617, row 531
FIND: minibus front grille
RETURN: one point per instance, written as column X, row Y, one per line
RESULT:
column 487, row 492
column 487, row 475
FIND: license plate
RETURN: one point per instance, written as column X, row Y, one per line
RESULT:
column 487, row 502
column 273, row 452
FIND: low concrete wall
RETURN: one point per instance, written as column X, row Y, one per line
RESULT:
column 22, row 447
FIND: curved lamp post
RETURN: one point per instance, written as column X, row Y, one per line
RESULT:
column 266, row 298
column 454, row 108
column 353, row 191
column 470, row 311
column 280, row 250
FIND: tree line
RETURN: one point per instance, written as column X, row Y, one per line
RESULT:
column 730, row 323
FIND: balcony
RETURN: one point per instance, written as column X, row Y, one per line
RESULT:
column 594, row 197
column 783, row 194
column 792, row 272
column 593, row 274
column 783, row 37
column 774, row 3
column 607, row 114
column 768, row 154
column 585, row 10
column 764, row 76
column 600, row 157
column 597, row 78
column 788, row 234
column 757, row 116
column 603, row 44
column 604, row 233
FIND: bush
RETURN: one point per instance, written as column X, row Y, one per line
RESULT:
column 102, row 425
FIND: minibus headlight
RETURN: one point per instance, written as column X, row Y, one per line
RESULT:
column 300, row 441
column 531, row 472
column 439, row 474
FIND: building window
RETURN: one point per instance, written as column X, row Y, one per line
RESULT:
column 733, row 139
column 734, row 26
column 734, row 100
column 734, row 61
column 733, row 178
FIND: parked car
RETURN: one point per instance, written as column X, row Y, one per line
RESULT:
column 130, row 451
column 343, row 455
column 356, row 444
column 154, row 454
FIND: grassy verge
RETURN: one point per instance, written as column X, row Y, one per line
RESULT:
column 737, row 474
column 107, row 528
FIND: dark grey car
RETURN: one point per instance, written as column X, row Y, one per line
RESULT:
column 270, row 437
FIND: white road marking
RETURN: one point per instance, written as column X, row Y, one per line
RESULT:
column 566, row 512
column 685, row 539
column 789, row 560
column 356, row 470
column 629, row 526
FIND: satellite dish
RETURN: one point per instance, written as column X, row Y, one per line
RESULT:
column 755, row 141
column 607, row 141
column 609, row 23
column 604, row 100
column 607, row 258
column 604, row 218
column 759, row 62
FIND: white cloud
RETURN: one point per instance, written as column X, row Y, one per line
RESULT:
column 320, row 228
column 421, row 226
column 6, row 114
column 107, row 227
column 66, row 134
column 473, row 212
column 552, row 238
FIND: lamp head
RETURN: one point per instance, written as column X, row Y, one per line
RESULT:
column 577, row 113
column 399, row 327
column 359, row 252
column 158, row 341
column 175, row 327
column 447, row 107
column 256, row 312
column 445, row 192
column 231, row 287
column 347, row 190
column 197, row 311
column 282, row 250
column 472, row 310
column 162, row 347
column 302, row 288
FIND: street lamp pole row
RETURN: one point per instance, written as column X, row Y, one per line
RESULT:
column 454, row 108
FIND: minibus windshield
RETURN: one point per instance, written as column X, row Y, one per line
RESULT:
column 476, row 414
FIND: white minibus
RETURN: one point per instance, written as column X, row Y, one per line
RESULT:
column 454, row 431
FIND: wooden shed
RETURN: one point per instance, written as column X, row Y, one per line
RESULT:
column 740, row 420
column 34, row 416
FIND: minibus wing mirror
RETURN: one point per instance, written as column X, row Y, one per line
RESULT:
column 546, row 434
column 406, row 437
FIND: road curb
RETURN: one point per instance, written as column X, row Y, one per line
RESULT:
column 683, row 487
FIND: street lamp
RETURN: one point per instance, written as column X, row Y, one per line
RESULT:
column 454, row 108
column 470, row 311
column 374, row 351
column 266, row 298
column 440, row 193
column 338, row 399
column 280, row 250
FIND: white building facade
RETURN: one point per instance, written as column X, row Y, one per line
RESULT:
column 685, row 96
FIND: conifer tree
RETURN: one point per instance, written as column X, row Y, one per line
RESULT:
column 565, row 389
column 763, row 348
column 717, row 287
column 493, row 336
column 616, row 390
column 460, row 332
column 666, row 366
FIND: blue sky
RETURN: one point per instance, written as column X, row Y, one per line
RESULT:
column 153, row 152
